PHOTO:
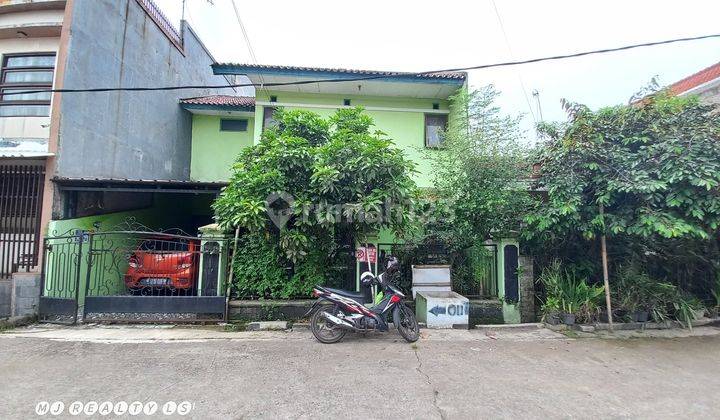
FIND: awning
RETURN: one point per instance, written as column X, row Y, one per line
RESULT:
column 139, row 185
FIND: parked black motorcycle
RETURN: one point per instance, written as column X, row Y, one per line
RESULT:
column 338, row 311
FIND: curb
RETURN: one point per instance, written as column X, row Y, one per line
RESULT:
column 16, row 321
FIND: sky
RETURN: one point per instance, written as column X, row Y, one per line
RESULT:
column 421, row 35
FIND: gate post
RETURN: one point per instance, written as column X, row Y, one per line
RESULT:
column 88, row 269
column 80, row 234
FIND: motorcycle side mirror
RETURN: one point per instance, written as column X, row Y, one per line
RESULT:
column 392, row 262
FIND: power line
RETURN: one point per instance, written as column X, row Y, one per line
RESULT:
column 253, row 58
column 372, row 77
column 512, row 56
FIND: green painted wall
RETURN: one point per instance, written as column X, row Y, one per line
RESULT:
column 214, row 151
column 405, row 125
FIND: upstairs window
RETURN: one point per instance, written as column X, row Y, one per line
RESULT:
column 269, row 117
column 23, row 72
column 435, row 126
column 233, row 125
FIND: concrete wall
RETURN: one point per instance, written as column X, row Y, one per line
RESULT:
column 5, row 298
column 25, row 293
column 114, row 43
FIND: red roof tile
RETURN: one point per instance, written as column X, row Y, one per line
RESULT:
column 439, row 75
column 221, row 101
column 695, row 80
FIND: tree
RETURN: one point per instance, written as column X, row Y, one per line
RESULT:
column 309, row 184
column 653, row 165
column 481, row 172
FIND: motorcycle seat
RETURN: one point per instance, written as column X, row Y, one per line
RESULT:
column 357, row 296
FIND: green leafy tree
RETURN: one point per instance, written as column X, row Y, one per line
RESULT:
column 309, row 187
column 481, row 172
column 653, row 166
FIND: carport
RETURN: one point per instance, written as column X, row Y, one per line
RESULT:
column 129, row 250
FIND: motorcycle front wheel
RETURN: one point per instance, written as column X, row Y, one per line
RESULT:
column 406, row 323
column 323, row 330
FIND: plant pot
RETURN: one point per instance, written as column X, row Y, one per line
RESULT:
column 699, row 313
column 639, row 316
column 568, row 319
column 552, row 319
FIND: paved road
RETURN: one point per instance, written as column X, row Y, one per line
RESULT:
column 450, row 375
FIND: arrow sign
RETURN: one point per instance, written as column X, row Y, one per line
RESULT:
column 437, row 310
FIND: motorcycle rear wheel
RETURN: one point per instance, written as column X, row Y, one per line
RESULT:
column 323, row 330
column 406, row 323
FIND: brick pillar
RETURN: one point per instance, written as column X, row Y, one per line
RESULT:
column 527, row 289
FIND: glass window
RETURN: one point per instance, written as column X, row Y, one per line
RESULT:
column 435, row 125
column 25, row 76
column 39, row 96
column 233, row 125
column 268, row 117
column 22, row 73
column 24, row 110
column 31, row 61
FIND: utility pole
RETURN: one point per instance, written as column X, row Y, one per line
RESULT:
column 536, row 95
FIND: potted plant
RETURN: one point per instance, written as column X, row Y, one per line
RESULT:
column 551, row 310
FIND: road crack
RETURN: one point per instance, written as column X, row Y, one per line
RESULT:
column 436, row 393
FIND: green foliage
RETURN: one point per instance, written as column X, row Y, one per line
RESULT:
column 652, row 164
column 306, row 183
column 567, row 293
column 479, row 172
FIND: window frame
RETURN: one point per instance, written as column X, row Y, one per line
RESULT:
column 244, row 130
column 5, row 70
column 425, row 129
column 272, row 110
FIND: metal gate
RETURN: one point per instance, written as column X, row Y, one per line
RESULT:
column 134, row 276
column 21, row 190
column 60, row 277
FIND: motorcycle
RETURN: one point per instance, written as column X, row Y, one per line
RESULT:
column 338, row 311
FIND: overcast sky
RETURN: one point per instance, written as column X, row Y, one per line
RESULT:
column 429, row 35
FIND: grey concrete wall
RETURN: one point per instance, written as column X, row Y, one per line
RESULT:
column 25, row 293
column 5, row 298
column 526, row 289
column 145, row 135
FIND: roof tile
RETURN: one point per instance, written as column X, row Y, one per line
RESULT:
column 221, row 100
column 694, row 80
column 437, row 75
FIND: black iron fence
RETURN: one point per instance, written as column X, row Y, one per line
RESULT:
column 21, row 190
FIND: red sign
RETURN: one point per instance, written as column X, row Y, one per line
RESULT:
column 362, row 254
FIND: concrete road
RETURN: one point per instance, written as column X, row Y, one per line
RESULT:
column 449, row 374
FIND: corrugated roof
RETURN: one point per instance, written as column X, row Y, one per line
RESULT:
column 67, row 180
column 439, row 75
column 228, row 101
column 694, row 80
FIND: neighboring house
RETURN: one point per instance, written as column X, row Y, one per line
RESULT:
column 64, row 156
column 705, row 84
column 411, row 109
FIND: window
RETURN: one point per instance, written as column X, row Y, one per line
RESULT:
column 233, row 125
column 436, row 105
column 23, row 72
column 273, row 98
column 435, row 125
column 268, row 117
column 346, row 102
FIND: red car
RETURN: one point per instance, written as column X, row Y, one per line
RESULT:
column 161, row 264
